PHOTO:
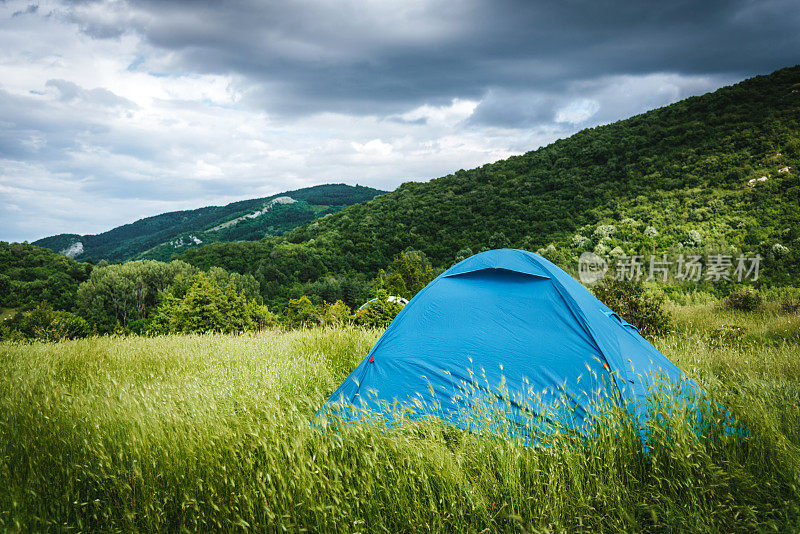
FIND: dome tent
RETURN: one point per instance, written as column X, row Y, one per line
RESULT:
column 507, row 323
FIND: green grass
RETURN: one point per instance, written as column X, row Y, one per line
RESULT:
column 212, row 432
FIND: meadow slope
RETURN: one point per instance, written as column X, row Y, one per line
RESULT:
column 211, row 432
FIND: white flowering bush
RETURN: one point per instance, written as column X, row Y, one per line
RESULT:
column 779, row 249
column 580, row 241
column 605, row 230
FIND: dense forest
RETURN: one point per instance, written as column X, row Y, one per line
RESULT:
column 164, row 235
column 44, row 295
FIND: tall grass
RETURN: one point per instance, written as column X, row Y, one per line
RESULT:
column 212, row 432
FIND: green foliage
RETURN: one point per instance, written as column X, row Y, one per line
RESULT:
column 30, row 274
column 792, row 148
column 46, row 324
column 463, row 254
column 785, row 299
column 337, row 314
column 352, row 289
column 127, row 294
column 633, row 302
column 124, row 293
column 744, row 299
column 245, row 284
column 790, row 304
column 208, row 307
column 408, row 273
column 286, row 271
column 301, row 312
column 379, row 312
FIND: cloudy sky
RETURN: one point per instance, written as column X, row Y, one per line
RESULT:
column 115, row 110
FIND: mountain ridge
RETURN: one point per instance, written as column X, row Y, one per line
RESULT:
column 160, row 236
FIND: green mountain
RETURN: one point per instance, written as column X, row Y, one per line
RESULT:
column 164, row 235
column 718, row 173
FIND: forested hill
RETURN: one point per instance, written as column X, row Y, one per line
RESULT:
column 161, row 236
column 682, row 170
column 714, row 173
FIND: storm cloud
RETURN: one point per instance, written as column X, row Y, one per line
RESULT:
column 114, row 110
column 377, row 57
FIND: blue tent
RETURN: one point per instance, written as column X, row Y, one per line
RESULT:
column 509, row 324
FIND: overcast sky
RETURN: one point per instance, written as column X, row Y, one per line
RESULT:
column 115, row 110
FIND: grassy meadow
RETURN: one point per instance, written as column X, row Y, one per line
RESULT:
column 211, row 432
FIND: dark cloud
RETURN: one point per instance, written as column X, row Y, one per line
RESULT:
column 515, row 109
column 311, row 57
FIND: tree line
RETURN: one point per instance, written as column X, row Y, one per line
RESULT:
column 153, row 297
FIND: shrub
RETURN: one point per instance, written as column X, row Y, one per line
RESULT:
column 463, row 254
column 10, row 334
column 790, row 304
column 207, row 307
column 787, row 299
column 631, row 301
column 744, row 299
column 301, row 312
column 47, row 324
column 337, row 314
column 380, row 312
column 127, row 293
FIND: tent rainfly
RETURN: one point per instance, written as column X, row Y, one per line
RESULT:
column 509, row 324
